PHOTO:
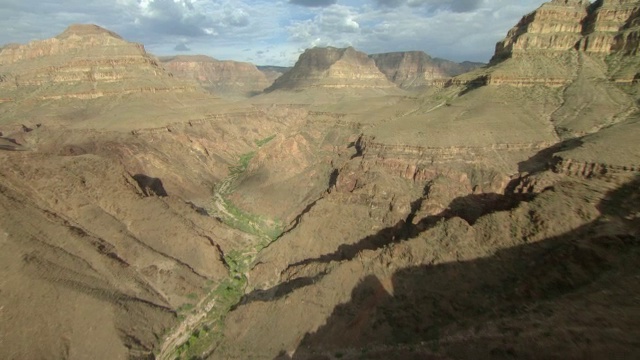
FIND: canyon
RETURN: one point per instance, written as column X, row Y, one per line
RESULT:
column 221, row 77
column 386, row 206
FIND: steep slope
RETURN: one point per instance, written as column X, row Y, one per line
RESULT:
column 84, row 62
column 555, row 26
column 219, row 77
column 82, row 246
column 543, row 40
column 88, row 74
column 102, row 244
column 608, row 25
column 273, row 72
column 415, row 69
column 585, row 50
column 477, row 220
column 332, row 68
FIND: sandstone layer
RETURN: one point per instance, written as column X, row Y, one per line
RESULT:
column 219, row 77
column 415, row 69
column 273, row 72
column 471, row 220
column 90, row 77
column 545, row 43
column 84, row 62
column 332, row 68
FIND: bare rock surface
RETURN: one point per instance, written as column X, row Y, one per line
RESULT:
column 84, row 62
column 333, row 68
column 415, row 69
column 220, row 77
column 492, row 215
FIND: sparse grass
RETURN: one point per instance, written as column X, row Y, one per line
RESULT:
column 227, row 294
column 185, row 307
column 243, row 164
column 262, row 142
column 251, row 223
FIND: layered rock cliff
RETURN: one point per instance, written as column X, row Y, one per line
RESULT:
column 414, row 69
column 605, row 27
column 85, row 62
column 555, row 26
column 556, row 43
column 273, row 72
column 219, row 77
column 333, row 68
column 608, row 28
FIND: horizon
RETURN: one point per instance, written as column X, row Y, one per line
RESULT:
column 265, row 33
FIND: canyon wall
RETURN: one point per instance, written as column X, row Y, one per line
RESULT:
column 414, row 69
column 219, row 77
column 333, row 68
column 84, row 62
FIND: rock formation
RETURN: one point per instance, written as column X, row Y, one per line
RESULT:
column 604, row 27
column 84, row 62
column 273, row 72
column 445, row 224
column 219, row 77
column 415, row 69
column 333, row 68
column 555, row 26
column 611, row 26
column 565, row 39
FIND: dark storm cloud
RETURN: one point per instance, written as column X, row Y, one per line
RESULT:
column 313, row 3
column 453, row 5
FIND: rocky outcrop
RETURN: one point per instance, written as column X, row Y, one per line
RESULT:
column 555, row 26
column 549, row 45
column 333, row 68
column 608, row 28
column 414, row 69
column 85, row 61
column 220, row 77
column 273, row 72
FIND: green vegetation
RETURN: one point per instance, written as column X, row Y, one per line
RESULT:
column 250, row 223
column 243, row 163
column 209, row 332
column 185, row 307
column 265, row 141
column 228, row 293
column 266, row 229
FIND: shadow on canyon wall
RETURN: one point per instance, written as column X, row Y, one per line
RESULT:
column 470, row 208
column 569, row 296
column 150, row 186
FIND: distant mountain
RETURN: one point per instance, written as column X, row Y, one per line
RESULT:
column 83, row 62
column 218, row 76
column 414, row 69
column 333, row 68
column 273, row 72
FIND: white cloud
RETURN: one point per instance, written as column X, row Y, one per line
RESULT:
column 335, row 25
column 466, row 29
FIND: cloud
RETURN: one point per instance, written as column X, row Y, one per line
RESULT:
column 313, row 3
column 334, row 25
column 181, row 47
column 456, row 29
column 432, row 5
column 171, row 17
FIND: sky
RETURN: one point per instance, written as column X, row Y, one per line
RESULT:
column 277, row 32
